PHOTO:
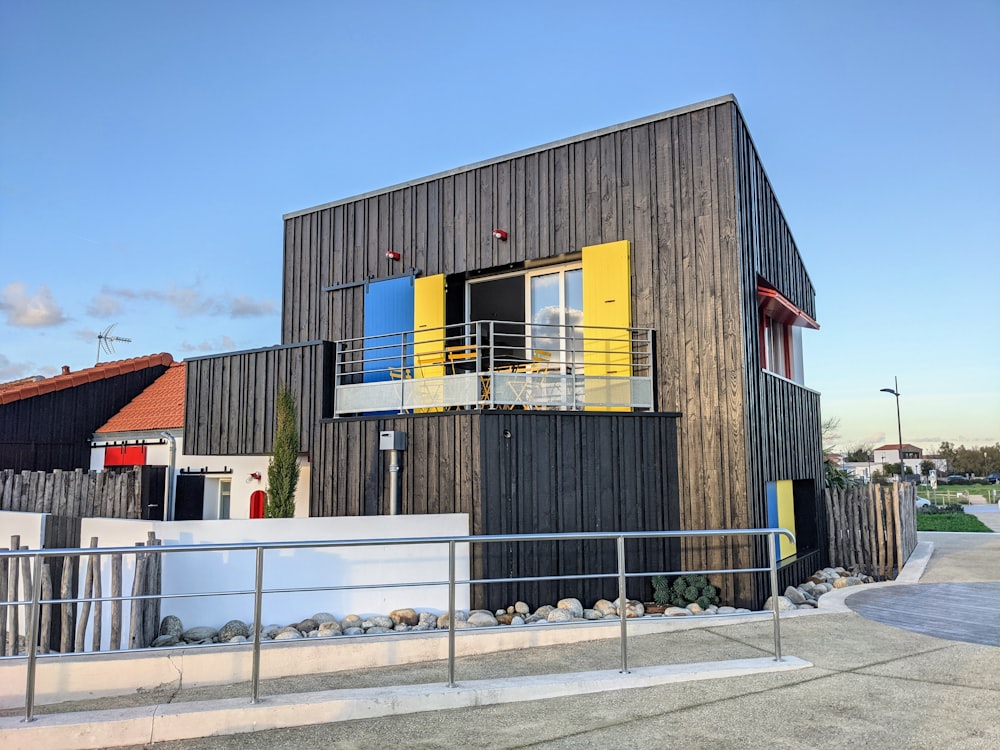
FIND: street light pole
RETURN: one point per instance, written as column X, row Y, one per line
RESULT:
column 899, row 426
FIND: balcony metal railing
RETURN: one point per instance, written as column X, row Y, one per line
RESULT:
column 495, row 364
column 34, row 559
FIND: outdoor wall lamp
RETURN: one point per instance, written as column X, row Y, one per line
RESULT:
column 899, row 427
column 500, row 235
column 255, row 475
column 392, row 255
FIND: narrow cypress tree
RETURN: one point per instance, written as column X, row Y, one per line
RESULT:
column 283, row 471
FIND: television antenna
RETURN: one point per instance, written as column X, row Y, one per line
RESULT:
column 106, row 342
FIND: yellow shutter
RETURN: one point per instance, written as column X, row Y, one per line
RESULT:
column 786, row 517
column 428, row 325
column 607, row 301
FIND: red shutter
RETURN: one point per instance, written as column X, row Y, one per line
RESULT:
column 125, row 455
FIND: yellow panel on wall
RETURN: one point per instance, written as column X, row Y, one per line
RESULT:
column 607, row 301
column 786, row 517
column 428, row 325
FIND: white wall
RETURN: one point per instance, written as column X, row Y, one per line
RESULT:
column 208, row 572
column 243, row 467
column 29, row 526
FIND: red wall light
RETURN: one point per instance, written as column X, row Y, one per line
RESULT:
column 392, row 255
column 500, row 235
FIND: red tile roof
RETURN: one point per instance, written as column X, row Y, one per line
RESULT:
column 895, row 447
column 18, row 391
column 159, row 407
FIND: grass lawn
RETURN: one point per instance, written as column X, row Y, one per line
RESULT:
column 950, row 522
column 950, row 493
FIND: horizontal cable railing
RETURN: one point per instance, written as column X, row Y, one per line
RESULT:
column 34, row 559
column 495, row 364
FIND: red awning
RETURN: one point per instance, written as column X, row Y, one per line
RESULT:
column 776, row 306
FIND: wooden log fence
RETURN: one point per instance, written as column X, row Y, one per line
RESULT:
column 872, row 528
column 80, row 494
column 16, row 578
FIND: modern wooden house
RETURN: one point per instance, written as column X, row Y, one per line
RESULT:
column 602, row 333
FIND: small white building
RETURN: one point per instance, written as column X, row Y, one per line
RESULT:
column 149, row 431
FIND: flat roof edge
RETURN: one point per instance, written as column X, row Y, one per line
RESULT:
column 725, row 99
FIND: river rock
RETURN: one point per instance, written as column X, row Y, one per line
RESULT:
column 427, row 621
column 405, row 616
column 521, row 608
column 169, row 639
column 482, row 620
column 517, row 620
column 199, row 634
column 559, row 614
column 676, row 612
column 784, row 603
column 592, row 614
column 544, row 610
column 353, row 631
column 232, row 629
column 377, row 621
column 321, row 617
column 377, row 630
column 307, row 625
column 171, row 625
column 694, row 608
column 794, row 595
column 727, row 610
column 573, row 606
column 505, row 619
column 605, row 607
column 350, row 621
column 288, row 634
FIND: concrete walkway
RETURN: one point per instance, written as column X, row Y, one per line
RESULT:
column 852, row 682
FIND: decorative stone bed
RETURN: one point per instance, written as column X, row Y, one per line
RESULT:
column 326, row 625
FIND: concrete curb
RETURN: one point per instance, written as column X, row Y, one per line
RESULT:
column 178, row 721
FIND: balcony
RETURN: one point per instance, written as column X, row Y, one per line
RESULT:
column 495, row 364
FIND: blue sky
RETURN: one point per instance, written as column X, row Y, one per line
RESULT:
column 149, row 150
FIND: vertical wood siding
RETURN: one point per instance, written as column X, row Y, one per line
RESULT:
column 557, row 472
column 229, row 402
column 53, row 430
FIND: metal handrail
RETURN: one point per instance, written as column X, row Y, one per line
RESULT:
column 485, row 349
column 451, row 541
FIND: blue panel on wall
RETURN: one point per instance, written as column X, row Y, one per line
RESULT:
column 388, row 312
column 772, row 512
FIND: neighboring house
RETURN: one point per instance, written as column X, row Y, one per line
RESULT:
column 47, row 423
column 598, row 334
column 149, row 432
column 889, row 454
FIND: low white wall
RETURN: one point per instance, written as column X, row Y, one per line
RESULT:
column 29, row 526
column 211, row 572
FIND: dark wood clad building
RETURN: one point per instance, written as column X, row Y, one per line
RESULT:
column 47, row 424
column 601, row 333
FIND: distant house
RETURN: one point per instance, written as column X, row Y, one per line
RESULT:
column 149, row 431
column 602, row 333
column 47, row 423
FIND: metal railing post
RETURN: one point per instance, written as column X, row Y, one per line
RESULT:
column 32, row 644
column 257, row 598
column 622, row 603
column 774, row 595
column 451, row 613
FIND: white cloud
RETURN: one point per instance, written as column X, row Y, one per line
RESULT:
column 13, row 370
column 187, row 302
column 222, row 344
column 244, row 307
column 27, row 310
column 104, row 306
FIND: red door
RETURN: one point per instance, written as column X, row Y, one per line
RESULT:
column 257, row 502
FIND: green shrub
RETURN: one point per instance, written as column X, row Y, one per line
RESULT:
column 685, row 590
